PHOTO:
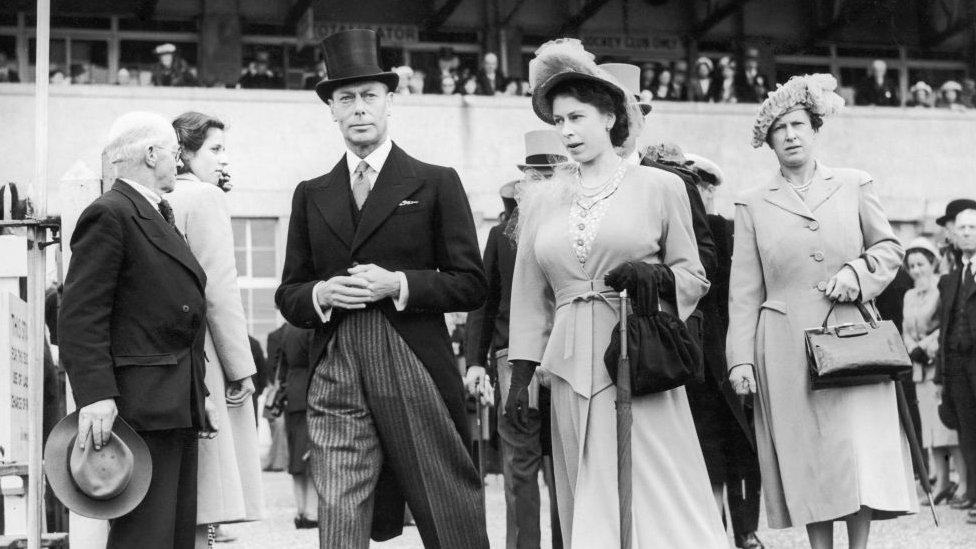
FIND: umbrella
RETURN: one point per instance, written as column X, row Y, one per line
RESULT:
column 624, row 422
column 908, row 425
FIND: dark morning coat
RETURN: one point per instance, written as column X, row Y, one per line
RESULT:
column 417, row 220
column 132, row 315
column 949, row 287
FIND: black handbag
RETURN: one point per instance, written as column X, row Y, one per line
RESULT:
column 947, row 412
column 662, row 353
column 856, row 353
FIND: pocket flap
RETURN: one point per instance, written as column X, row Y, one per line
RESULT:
column 775, row 305
column 166, row 359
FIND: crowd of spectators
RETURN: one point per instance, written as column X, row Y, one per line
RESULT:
column 725, row 80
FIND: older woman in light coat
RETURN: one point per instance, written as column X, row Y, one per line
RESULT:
column 229, row 468
column 809, row 235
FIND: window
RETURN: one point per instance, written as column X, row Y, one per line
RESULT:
column 255, row 249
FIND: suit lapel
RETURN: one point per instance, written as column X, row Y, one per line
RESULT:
column 332, row 199
column 395, row 182
column 161, row 234
column 780, row 195
column 824, row 186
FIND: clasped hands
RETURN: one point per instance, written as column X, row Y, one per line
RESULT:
column 364, row 284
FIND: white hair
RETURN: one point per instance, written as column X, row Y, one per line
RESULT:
column 132, row 132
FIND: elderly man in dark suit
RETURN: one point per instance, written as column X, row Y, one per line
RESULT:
column 132, row 330
column 378, row 250
column 957, row 343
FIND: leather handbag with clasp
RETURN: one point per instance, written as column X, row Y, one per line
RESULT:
column 855, row 353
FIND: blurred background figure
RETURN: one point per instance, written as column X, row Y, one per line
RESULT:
column 679, row 78
column 277, row 457
column 877, row 88
column 968, row 93
column 57, row 78
column 7, row 73
column 949, row 96
column 259, row 74
column 405, row 73
column 920, row 330
column 723, row 88
column 292, row 376
column 416, row 82
column 171, row 69
column 469, row 86
column 753, row 84
column 491, row 80
column 448, row 85
column 124, row 78
column 921, row 95
column 648, row 76
column 80, row 74
column 663, row 88
column 700, row 87
column 319, row 73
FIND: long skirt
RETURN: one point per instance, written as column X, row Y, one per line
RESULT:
column 672, row 502
column 934, row 433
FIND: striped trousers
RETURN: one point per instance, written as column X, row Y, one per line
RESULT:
column 371, row 401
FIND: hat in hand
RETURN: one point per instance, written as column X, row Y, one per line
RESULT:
column 101, row 484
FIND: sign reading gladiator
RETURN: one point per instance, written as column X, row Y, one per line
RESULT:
column 13, row 379
column 312, row 31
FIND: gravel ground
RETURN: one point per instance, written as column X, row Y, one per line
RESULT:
column 278, row 531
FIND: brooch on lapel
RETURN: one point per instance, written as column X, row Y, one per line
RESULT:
column 407, row 203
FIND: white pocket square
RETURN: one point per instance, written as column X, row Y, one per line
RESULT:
column 407, row 203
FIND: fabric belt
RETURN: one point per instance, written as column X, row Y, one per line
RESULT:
column 586, row 292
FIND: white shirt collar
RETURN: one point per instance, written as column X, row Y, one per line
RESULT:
column 150, row 195
column 375, row 160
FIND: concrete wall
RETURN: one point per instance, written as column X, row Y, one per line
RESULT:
column 277, row 138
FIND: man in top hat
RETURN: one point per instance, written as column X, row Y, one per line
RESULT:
column 957, row 344
column 379, row 249
column 526, row 451
column 131, row 330
column 950, row 254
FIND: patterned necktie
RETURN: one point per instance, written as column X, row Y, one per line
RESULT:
column 360, row 186
column 167, row 211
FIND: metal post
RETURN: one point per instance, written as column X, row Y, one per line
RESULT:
column 36, row 275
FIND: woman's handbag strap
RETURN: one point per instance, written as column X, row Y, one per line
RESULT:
column 865, row 313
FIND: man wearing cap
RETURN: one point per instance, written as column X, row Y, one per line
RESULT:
column 379, row 249
column 525, row 451
column 131, row 331
column 949, row 252
column 957, row 345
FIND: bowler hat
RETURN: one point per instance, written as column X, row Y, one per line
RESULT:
column 352, row 56
column 953, row 209
column 101, row 484
column 543, row 149
column 629, row 76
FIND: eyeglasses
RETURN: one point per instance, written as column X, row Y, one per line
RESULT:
column 177, row 151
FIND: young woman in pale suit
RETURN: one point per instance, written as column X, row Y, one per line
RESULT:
column 574, row 229
column 809, row 235
column 920, row 330
column 229, row 468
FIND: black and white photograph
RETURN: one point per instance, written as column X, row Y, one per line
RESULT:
column 472, row 274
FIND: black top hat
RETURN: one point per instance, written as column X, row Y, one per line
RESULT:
column 352, row 56
column 953, row 209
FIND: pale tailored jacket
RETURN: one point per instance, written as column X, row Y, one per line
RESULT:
column 824, row 453
column 562, row 312
column 229, row 467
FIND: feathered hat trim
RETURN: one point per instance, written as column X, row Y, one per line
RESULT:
column 566, row 59
column 810, row 91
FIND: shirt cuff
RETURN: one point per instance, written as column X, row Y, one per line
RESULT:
column 327, row 313
column 401, row 301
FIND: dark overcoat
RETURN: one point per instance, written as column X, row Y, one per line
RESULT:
column 132, row 315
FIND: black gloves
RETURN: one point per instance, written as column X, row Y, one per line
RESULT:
column 919, row 356
column 636, row 276
column 517, row 406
